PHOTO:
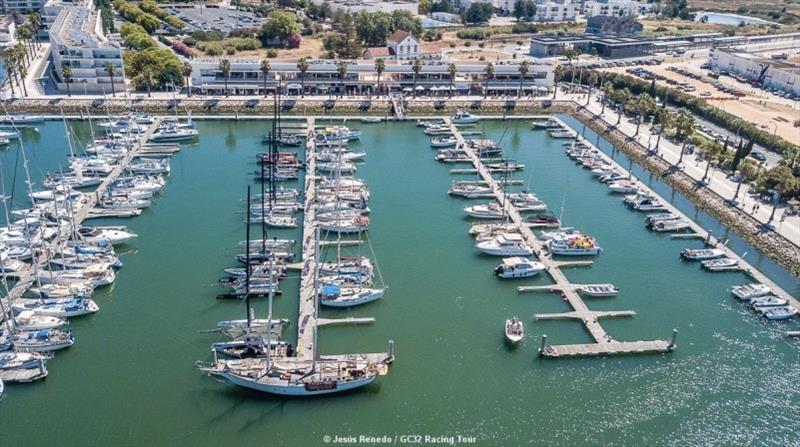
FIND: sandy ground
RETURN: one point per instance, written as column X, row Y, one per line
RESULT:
column 766, row 111
column 469, row 54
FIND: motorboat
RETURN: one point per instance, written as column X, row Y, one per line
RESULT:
column 561, row 233
column 443, row 141
column 9, row 134
column 463, row 117
column 599, row 290
column 253, row 346
column 337, row 296
column 518, row 267
column 720, row 264
column 173, row 134
column 780, row 313
column 483, row 228
column 611, row 177
column 561, row 133
column 546, row 124
column 275, row 220
column 471, row 190
column 578, row 246
column 543, row 220
column 667, row 225
column 438, row 129
column 763, row 302
column 747, row 292
column 371, row 119
column 526, row 202
column 623, row 187
column 487, row 211
column 341, row 167
column 122, row 204
column 506, row 244
column 702, row 254
column 115, row 235
column 514, row 330
column 149, row 166
column 644, row 202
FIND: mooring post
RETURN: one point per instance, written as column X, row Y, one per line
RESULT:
column 544, row 343
column 391, row 349
column 672, row 345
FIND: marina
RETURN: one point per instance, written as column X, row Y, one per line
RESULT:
column 453, row 311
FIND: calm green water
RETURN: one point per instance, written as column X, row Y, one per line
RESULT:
column 130, row 378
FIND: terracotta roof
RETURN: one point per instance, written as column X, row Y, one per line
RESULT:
column 398, row 36
column 377, row 51
column 428, row 48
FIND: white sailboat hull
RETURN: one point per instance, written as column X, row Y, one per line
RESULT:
column 286, row 389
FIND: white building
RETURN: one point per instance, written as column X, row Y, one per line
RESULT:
column 77, row 41
column 355, row 6
column 8, row 32
column 617, row 8
column 773, row 74
column 556, row 11
column 20, row 6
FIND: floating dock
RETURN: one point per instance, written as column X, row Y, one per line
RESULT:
column 698, row 232
column 602, row 345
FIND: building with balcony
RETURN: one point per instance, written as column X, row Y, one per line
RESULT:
column 20, row 6
column 77, row 42
column 616, row 8
column 758, row 70
column 403, row 46
column 556, row 11
column 361, row 78
column 355, row 6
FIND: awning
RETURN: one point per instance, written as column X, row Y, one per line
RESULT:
column 542, row 88
column 419, row 88
column 294, row 86
column 408, row 89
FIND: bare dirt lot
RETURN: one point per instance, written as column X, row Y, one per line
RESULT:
column 766, row 111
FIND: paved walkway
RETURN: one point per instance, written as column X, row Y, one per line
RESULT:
column 787, row 226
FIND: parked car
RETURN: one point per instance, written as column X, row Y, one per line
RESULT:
column 758, row 155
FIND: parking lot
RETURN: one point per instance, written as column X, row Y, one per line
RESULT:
column 216, row 19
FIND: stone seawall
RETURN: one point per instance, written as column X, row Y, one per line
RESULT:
column 748, row 228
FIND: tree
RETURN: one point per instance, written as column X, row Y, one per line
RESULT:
column 149, row 22
column 780, row 180
column 711, row 151
column 478, row 13
column 684, row 123
column 623, row 98
column 644, row 105
column 186, row 71
column 664, row 118
column 110, row 70
column 21, row 68
column 488, row 73
column 302, row 67
column 35, row 20
column 341, row 68
column 591, row 80
column 558, row 73
column 416, row 67
column 225, row 68
column 7, row 56
column 608, row 91
column 523, row 71
column 380, row 66
column 524, row 9
column 452, row 70
column 265, row 68
column 279, row 26
column 66, row 74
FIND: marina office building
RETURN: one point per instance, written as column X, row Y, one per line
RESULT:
column 773, row 74
column 77, row 41
column 361, row 78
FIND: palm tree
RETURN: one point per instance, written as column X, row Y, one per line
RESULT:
column 624, row 99
column 22, row 69
column 489, row 73
column 416, row 67
column 664, row 119
column 265, row 68
column 26, row 34
column 571, row 54
column 523, row 71
column 35, row 20
column 7, row 56
column 608, row 91
column 558, row 73
column 380, row 66
column 225, row 68
column 711, row 151
column 110, row 71
column 684, row 123
column 592, row 81
column 186, row 71
column 66, row 74
column 644, row 105
column 302, row 66
column 452, row 70
column 783, row 180
column 341, row 68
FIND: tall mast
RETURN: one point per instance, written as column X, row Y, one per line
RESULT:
column 317, row 264
column 247, row 262
column 4, row 198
